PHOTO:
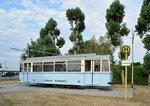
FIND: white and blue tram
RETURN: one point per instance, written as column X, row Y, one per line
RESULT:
column 82, row 70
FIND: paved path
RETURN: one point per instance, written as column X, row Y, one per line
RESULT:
column 115, row 92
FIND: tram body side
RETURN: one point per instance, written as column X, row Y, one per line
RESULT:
column 86, row 74
column 67, row 78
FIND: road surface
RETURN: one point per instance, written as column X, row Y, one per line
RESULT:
column 114, row 92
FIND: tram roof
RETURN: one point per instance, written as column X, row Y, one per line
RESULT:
column 68, row 57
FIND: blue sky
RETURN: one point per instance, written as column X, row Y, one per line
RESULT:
column 21, row 21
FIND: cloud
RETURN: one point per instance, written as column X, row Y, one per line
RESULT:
column 23, row 21
column 14, row 32
column 94, row 15
column 18, row 26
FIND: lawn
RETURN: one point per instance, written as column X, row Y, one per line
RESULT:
column 142, row 93
column 141, row 98
column 7, row 82
column 59, row 99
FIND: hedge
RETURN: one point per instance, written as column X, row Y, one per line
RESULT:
column 140, row 77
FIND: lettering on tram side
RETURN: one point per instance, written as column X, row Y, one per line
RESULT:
column 60, row 81
column 55, row 80
column 49, row 80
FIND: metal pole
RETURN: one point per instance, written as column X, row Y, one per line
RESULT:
column 33, row 51
column 28, row 64
column 126, row 83
column 132, row 81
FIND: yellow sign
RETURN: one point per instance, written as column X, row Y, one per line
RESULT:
column 126, row 49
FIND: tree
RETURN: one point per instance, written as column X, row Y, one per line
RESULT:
column 143, row 30
column 147, row 62
column 102, row 46
column 52, row 30
column 146, row 65
column 48, row 43
column 90, row 46
column 116, row 30
column 76, row 19
column 143, row 24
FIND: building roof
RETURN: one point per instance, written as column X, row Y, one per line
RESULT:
column 8, row 69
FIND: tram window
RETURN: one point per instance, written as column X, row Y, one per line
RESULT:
column 87, row 65
column 37, row 67
column 97, row 65
column 29, row 67
column 25, row 67
column 74, row 66
column 48, row 66
column 21, row 68
column 105, row 65
column 60, row 66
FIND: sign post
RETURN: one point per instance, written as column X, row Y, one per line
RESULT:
column 126, row 51
column 126, row 83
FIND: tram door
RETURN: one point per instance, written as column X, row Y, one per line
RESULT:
column 91, row 66
column 27, row 69
column 24, row 72
column 96, row 75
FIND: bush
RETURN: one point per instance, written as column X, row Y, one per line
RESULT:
column 140, row 77
column 116, row 74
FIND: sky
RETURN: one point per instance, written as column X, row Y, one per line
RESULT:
column 21, row 21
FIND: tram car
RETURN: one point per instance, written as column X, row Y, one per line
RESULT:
column 80, row 70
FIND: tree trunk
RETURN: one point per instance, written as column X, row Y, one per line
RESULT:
column 122, row 77
column 122, row 71
column 75, row 52
column 149, row 78
column 78, row 49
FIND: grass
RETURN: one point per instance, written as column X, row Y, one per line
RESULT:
column 7, row 82
column 120, row 86
column 141, row 98
column 60, row 99
column 142, row 93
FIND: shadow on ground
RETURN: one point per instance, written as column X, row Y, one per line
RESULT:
column 104, row 88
